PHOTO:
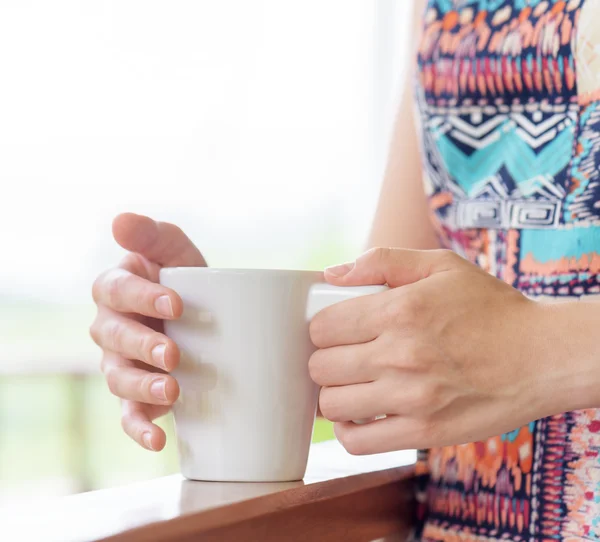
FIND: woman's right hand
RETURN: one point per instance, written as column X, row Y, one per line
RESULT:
column 137, row 356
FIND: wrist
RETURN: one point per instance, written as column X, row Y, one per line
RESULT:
column 569, row 360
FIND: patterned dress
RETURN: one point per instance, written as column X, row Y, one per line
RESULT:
column 509, row 112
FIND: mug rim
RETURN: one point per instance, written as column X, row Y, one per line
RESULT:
column 239, row 271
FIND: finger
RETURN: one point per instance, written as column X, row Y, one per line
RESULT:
column 124, row 291
column 133, row 340
column 160, row 242
column 139, row 265
column 142, row 386
column 344, row 365
column 136, row 422
column 385, row 435
column 395, row 267
column 356, row 402
column 353, row 321
column 112, row 359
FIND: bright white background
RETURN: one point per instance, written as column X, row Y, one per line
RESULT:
column 252, row 124
column 259, row 126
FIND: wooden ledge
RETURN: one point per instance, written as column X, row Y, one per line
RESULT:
column 341, row 498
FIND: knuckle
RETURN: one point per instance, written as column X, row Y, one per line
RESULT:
column 425, row 399
column 125, row 280
column 425, row 396
column 127, row 425
column 103, row 365
column 317, row 330
column 365, row 319
column 412, row 356
column 392, row 309
column 412, row 302
column 406, row 308
column 120, row 282
column 97, row 287
column 95, row 332
column 377, row 254
column 446, row 256
column 382, row 253
column 387, row 362
column 396, row 314
column 112, row 380
column 329, row 405
column 112, row 286
column 315, row 367
column 104, row 286
column 133, row 262
column 383, row 353
column 112, row 335
column 350, row 440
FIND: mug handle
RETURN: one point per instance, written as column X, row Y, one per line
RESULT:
column 324, row 295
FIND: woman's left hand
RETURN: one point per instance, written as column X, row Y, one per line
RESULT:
column 449, row 354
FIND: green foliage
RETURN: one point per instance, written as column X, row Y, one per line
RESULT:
column 323, row 431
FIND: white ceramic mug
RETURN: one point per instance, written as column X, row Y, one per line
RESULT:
column 247, row 404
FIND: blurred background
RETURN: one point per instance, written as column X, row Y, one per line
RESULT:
column 261, row 128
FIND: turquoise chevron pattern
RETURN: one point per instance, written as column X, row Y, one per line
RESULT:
column 507, row 137
column 510, row 146
column 446, row 6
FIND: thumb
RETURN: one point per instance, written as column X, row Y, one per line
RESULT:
column 160, row 242
column 394, row 267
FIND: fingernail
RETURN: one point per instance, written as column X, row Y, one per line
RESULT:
column 163, row 305
column 340, row 270
column 157, row 388
column 147, row 440
column 158, row 355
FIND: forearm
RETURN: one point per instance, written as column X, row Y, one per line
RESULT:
column 569, row 355
column 403, row 219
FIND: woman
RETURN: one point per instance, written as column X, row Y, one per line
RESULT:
column 467, row 354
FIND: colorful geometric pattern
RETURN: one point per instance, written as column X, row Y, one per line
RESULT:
column 509, row 100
